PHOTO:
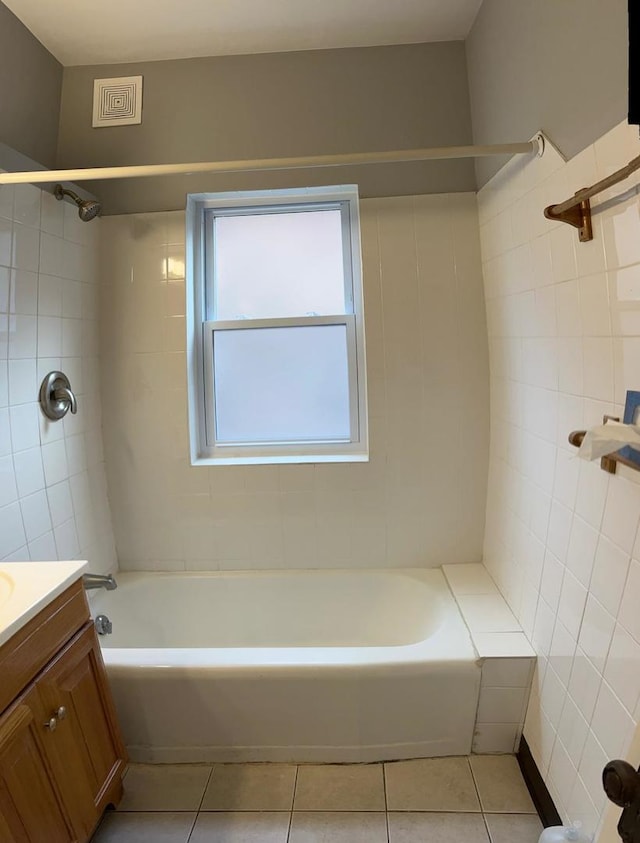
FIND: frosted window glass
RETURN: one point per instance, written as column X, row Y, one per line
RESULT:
column 281, row 384
column 270, row 265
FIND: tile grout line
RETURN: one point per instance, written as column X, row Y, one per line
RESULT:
column 199, row 808
column 386, row 801
column 486, row 825
column 475, row 784
column 482, row 813
column 193, row 825
column 206, row 787
column 293, row 802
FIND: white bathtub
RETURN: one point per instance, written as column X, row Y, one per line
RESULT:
column 296, row 666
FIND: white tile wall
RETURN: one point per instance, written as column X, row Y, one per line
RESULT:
column 419, row 501
column 48, row 294
column 562, row 536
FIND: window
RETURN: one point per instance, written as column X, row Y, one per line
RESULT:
column 275, row 327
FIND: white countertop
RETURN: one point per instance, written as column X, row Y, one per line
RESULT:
column 27, row 587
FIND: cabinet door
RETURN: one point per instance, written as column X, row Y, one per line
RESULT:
column 85, row 750
column 30, row 811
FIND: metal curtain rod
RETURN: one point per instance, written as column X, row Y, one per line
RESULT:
column 576, row 211
column 395, row 156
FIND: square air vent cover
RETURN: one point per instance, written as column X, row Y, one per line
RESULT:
column 117, row 102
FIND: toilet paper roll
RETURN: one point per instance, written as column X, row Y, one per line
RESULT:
column 608, row 438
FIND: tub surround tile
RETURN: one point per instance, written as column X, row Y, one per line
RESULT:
column 507, row 673
column 542, row 507
column 340, row 787
column 514, row 828
column 35, row 295
column 143, row 827
column 431, row 784
column 487, row 613
column 469, row 578
column 501, row 705
column 408, row 306
column 494, row 629
column 506, row 654
column 344, row 827
column 503, row 644
column 157, row 787
column 496, row 738
column 243, row 827
column 250, row 787
column 410, row 827
column 500, row 784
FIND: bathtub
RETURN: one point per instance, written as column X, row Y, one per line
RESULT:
column 302, row 666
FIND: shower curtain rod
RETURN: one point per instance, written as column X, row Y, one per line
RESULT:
column 311, row 161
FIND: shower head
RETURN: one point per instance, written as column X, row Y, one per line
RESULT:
column 87, row 208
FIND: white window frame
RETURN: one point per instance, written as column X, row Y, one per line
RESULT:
column 201, row 326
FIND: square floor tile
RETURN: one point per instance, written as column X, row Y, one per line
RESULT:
column 164, row 787
column 242, row 827
column 514, row 828
column 250, row 787
column 500, row 784
column 346, row 827
column 156, row 827
column 431, row 784
column 408, row 827
column 340, row 787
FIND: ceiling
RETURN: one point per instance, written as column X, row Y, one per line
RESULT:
column 113, row 31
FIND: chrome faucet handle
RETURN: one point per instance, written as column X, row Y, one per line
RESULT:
column 56, row 396
column 62, row 393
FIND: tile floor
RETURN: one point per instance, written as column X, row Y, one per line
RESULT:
column 481, row 799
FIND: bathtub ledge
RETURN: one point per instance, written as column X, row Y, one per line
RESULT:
column 505, row 656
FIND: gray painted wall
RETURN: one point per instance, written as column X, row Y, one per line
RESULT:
column 273, row 105
column 30, row 88
column 556, row 65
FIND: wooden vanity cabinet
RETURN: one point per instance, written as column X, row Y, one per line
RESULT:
column 61, row 754
column 29, row 805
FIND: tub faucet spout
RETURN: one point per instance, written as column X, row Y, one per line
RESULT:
column 99, row 581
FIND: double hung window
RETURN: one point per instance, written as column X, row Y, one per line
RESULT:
column 275, row 327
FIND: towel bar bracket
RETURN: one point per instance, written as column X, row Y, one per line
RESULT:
column 578, row 216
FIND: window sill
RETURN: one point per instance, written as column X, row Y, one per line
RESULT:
column 282, row 459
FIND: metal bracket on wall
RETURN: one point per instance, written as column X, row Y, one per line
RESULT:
column 577, row 210
column 577, row 215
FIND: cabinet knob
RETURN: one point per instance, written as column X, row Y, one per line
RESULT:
column 51, row 724
column 61, row 713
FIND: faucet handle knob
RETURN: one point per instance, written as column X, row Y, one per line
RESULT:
column 103, row 625
column 64, row 394
column 56, row 396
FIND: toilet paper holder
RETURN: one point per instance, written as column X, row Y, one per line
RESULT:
column 625, row 456
column 608, row 463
